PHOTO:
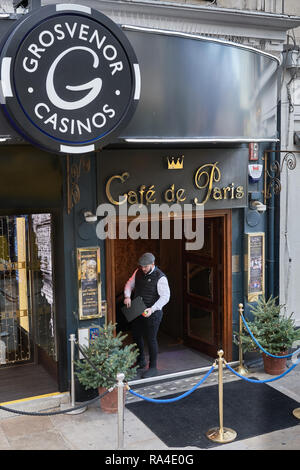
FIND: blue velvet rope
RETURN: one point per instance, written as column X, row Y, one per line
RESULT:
column 262, row 381
column 172, row 400
column 266, row 352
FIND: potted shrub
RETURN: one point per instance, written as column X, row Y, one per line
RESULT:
column 273, row 330
column 106, row 357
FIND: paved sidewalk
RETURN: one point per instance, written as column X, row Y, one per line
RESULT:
column 95, row 430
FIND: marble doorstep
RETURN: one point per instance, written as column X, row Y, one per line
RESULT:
column 177, row 386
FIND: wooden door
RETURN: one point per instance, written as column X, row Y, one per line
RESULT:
column 203, row 286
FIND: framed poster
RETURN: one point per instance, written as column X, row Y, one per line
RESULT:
column 89, row 284
column 255, row 265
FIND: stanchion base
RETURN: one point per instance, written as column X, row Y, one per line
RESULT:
column 216, row 435
column 242, row 370
column 296, row 413
column 77, row 412
column 72, row 412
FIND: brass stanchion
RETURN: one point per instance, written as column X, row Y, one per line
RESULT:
column 296, row 413
column 241, row 369
column 120, row 385
column 221, row 434
column 76, row 411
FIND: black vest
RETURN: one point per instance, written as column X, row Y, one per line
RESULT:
column 146, row 286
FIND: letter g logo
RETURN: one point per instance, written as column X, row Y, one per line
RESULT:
column 94, row 85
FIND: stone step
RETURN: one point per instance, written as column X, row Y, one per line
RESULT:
column 42, row 403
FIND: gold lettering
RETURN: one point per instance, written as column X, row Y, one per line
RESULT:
column 239, row 192
column 204, row 178
column 122, row 178
column 150, row 195
column 132, row 197
column 217, row 193
column 180, row 195
column 171, row 195
column 170, row 190
column 232, row 190
column 210, row 173
column 225, row 191
column 141, row 191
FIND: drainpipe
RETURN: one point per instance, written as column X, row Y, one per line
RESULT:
column 270, row 248
column 273, row 225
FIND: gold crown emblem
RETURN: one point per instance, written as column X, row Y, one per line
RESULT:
column 178, row 165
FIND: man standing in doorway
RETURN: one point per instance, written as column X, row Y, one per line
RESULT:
column 150, row 283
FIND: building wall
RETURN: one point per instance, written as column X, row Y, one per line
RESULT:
column 256, row 36
column 289, row 220
column 265, row 38
column 288, row 7
column 289, row 266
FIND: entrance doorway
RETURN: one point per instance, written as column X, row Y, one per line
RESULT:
column 197, row 320
column 28, row 350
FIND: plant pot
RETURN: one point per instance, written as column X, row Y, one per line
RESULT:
column 109, row 403
column 273, row 365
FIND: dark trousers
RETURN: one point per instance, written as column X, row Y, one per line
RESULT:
column 147, row 327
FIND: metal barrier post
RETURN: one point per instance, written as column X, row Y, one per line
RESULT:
column 221, row 434
column 241, row 369
column 79, row 410
column 120, row 385
column 72, row 341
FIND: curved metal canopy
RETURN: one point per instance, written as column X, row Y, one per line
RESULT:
column 198, row 89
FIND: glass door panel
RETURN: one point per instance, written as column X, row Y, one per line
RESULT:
column 27, row 316
column 15, row 315
column 207, row 248
column 200, row 280
column 42, row 283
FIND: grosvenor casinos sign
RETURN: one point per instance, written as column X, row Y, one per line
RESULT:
column 70, row 79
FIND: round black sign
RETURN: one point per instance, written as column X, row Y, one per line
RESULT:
column 69, row 77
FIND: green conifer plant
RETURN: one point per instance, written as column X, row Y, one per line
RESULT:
column 272, row 329
column 106, row 358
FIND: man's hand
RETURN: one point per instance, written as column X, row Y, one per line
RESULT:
column 127, row 302
column 147, row 312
